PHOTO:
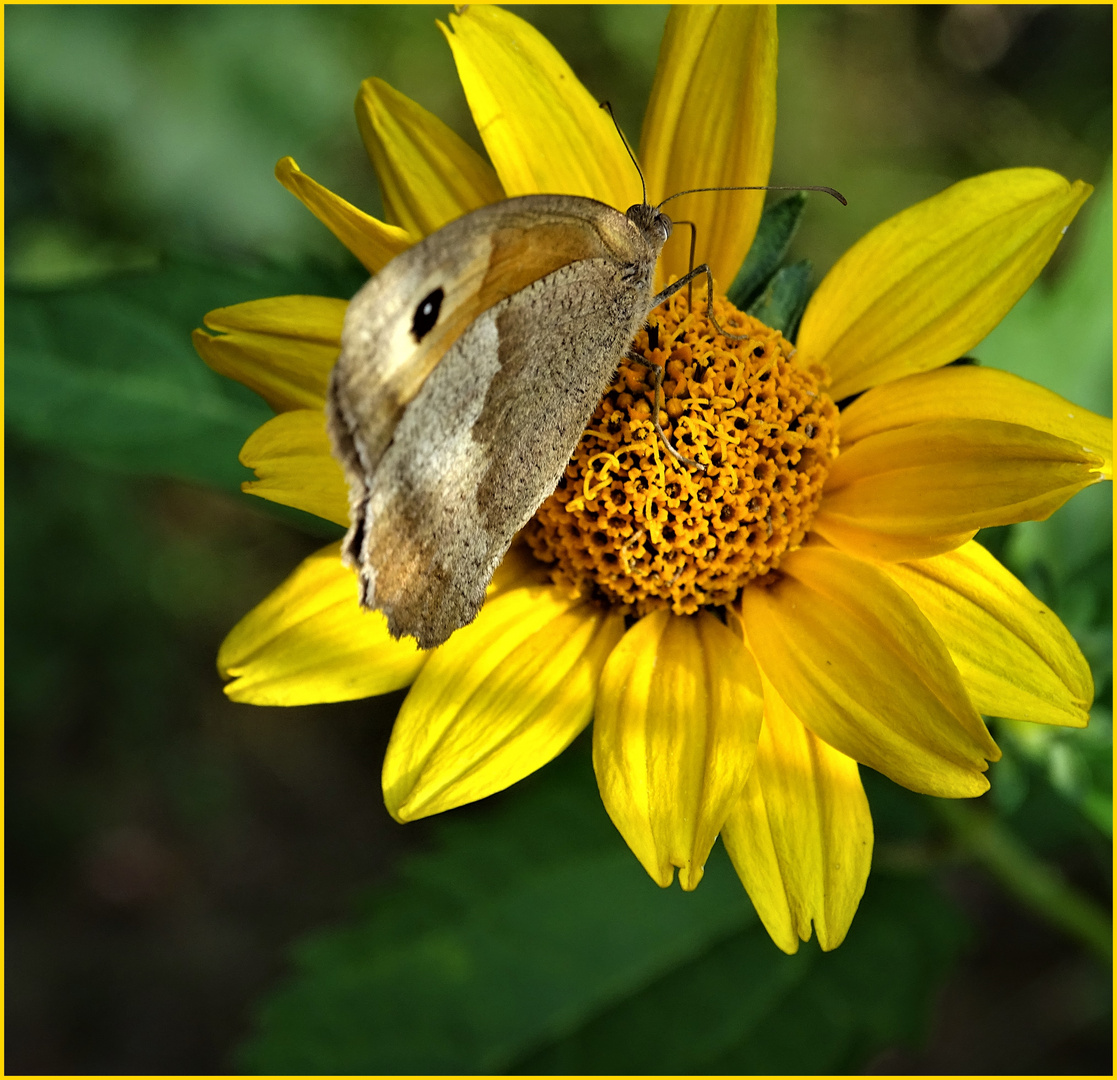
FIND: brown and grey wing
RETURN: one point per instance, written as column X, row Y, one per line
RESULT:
column 401, row 323
column 484, row 442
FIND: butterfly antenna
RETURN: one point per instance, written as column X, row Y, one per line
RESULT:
column 758, row 187
column 643, row 188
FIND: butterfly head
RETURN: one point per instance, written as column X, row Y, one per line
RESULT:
column 652, row 223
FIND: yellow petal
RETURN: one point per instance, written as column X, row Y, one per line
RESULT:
column 1015, row 656
column 373, row 242
column 282, row 347
column 678, row 715
column 910, row 492
column 502, row 697
column 711, row 121
column 310, row 641
column 976, row 393
column 291, row 457
column 855, row 659
column 428, row 174
column 307, row 318
column 518, row 569
column 542, row 128
column 928, row 284
column 801, row 836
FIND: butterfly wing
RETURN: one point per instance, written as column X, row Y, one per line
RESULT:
column 466, row 378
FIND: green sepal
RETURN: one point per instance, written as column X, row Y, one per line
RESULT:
column 773, row 237
column 781, row 304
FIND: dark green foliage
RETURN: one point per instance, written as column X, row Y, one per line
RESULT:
column 107, row 372
column 773, row 294
column 781, row 303
column 531, row 941
column 774, row 234
column 744, row 1007
column 530, row 918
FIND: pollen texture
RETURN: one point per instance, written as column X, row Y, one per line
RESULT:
column 635, row 527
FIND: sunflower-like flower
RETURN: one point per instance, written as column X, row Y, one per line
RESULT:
column 743, row 634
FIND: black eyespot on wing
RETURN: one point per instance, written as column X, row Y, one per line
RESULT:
column 356, row 540
column 426, row 314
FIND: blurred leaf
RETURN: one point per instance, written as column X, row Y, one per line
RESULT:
column 1010, row 790
column 744, row 1007
column 182, row 112
column 107, row 373
column 687, row 1019
column 1053, row 780
column 532, row 941
column 1067, row 561
column 781, row 303
column 876, row 989
column 774, row 234
column 531, row 917
column 1061, row 334
column 1077, row 764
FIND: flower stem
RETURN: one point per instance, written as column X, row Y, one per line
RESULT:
column 1033, row 882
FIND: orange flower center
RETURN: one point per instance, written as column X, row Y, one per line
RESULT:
column 632, row 525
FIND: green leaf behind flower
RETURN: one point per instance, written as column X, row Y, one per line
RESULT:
column 784, row 298
column 774, row 234
column 107, row 372
column 743, row 1007
column 531, row 941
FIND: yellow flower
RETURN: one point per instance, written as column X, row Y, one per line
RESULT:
column 741, row 637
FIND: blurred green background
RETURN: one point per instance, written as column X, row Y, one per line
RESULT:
column 195, row 886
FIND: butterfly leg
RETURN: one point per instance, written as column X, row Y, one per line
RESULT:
column 686, row 279
column 658, row 404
